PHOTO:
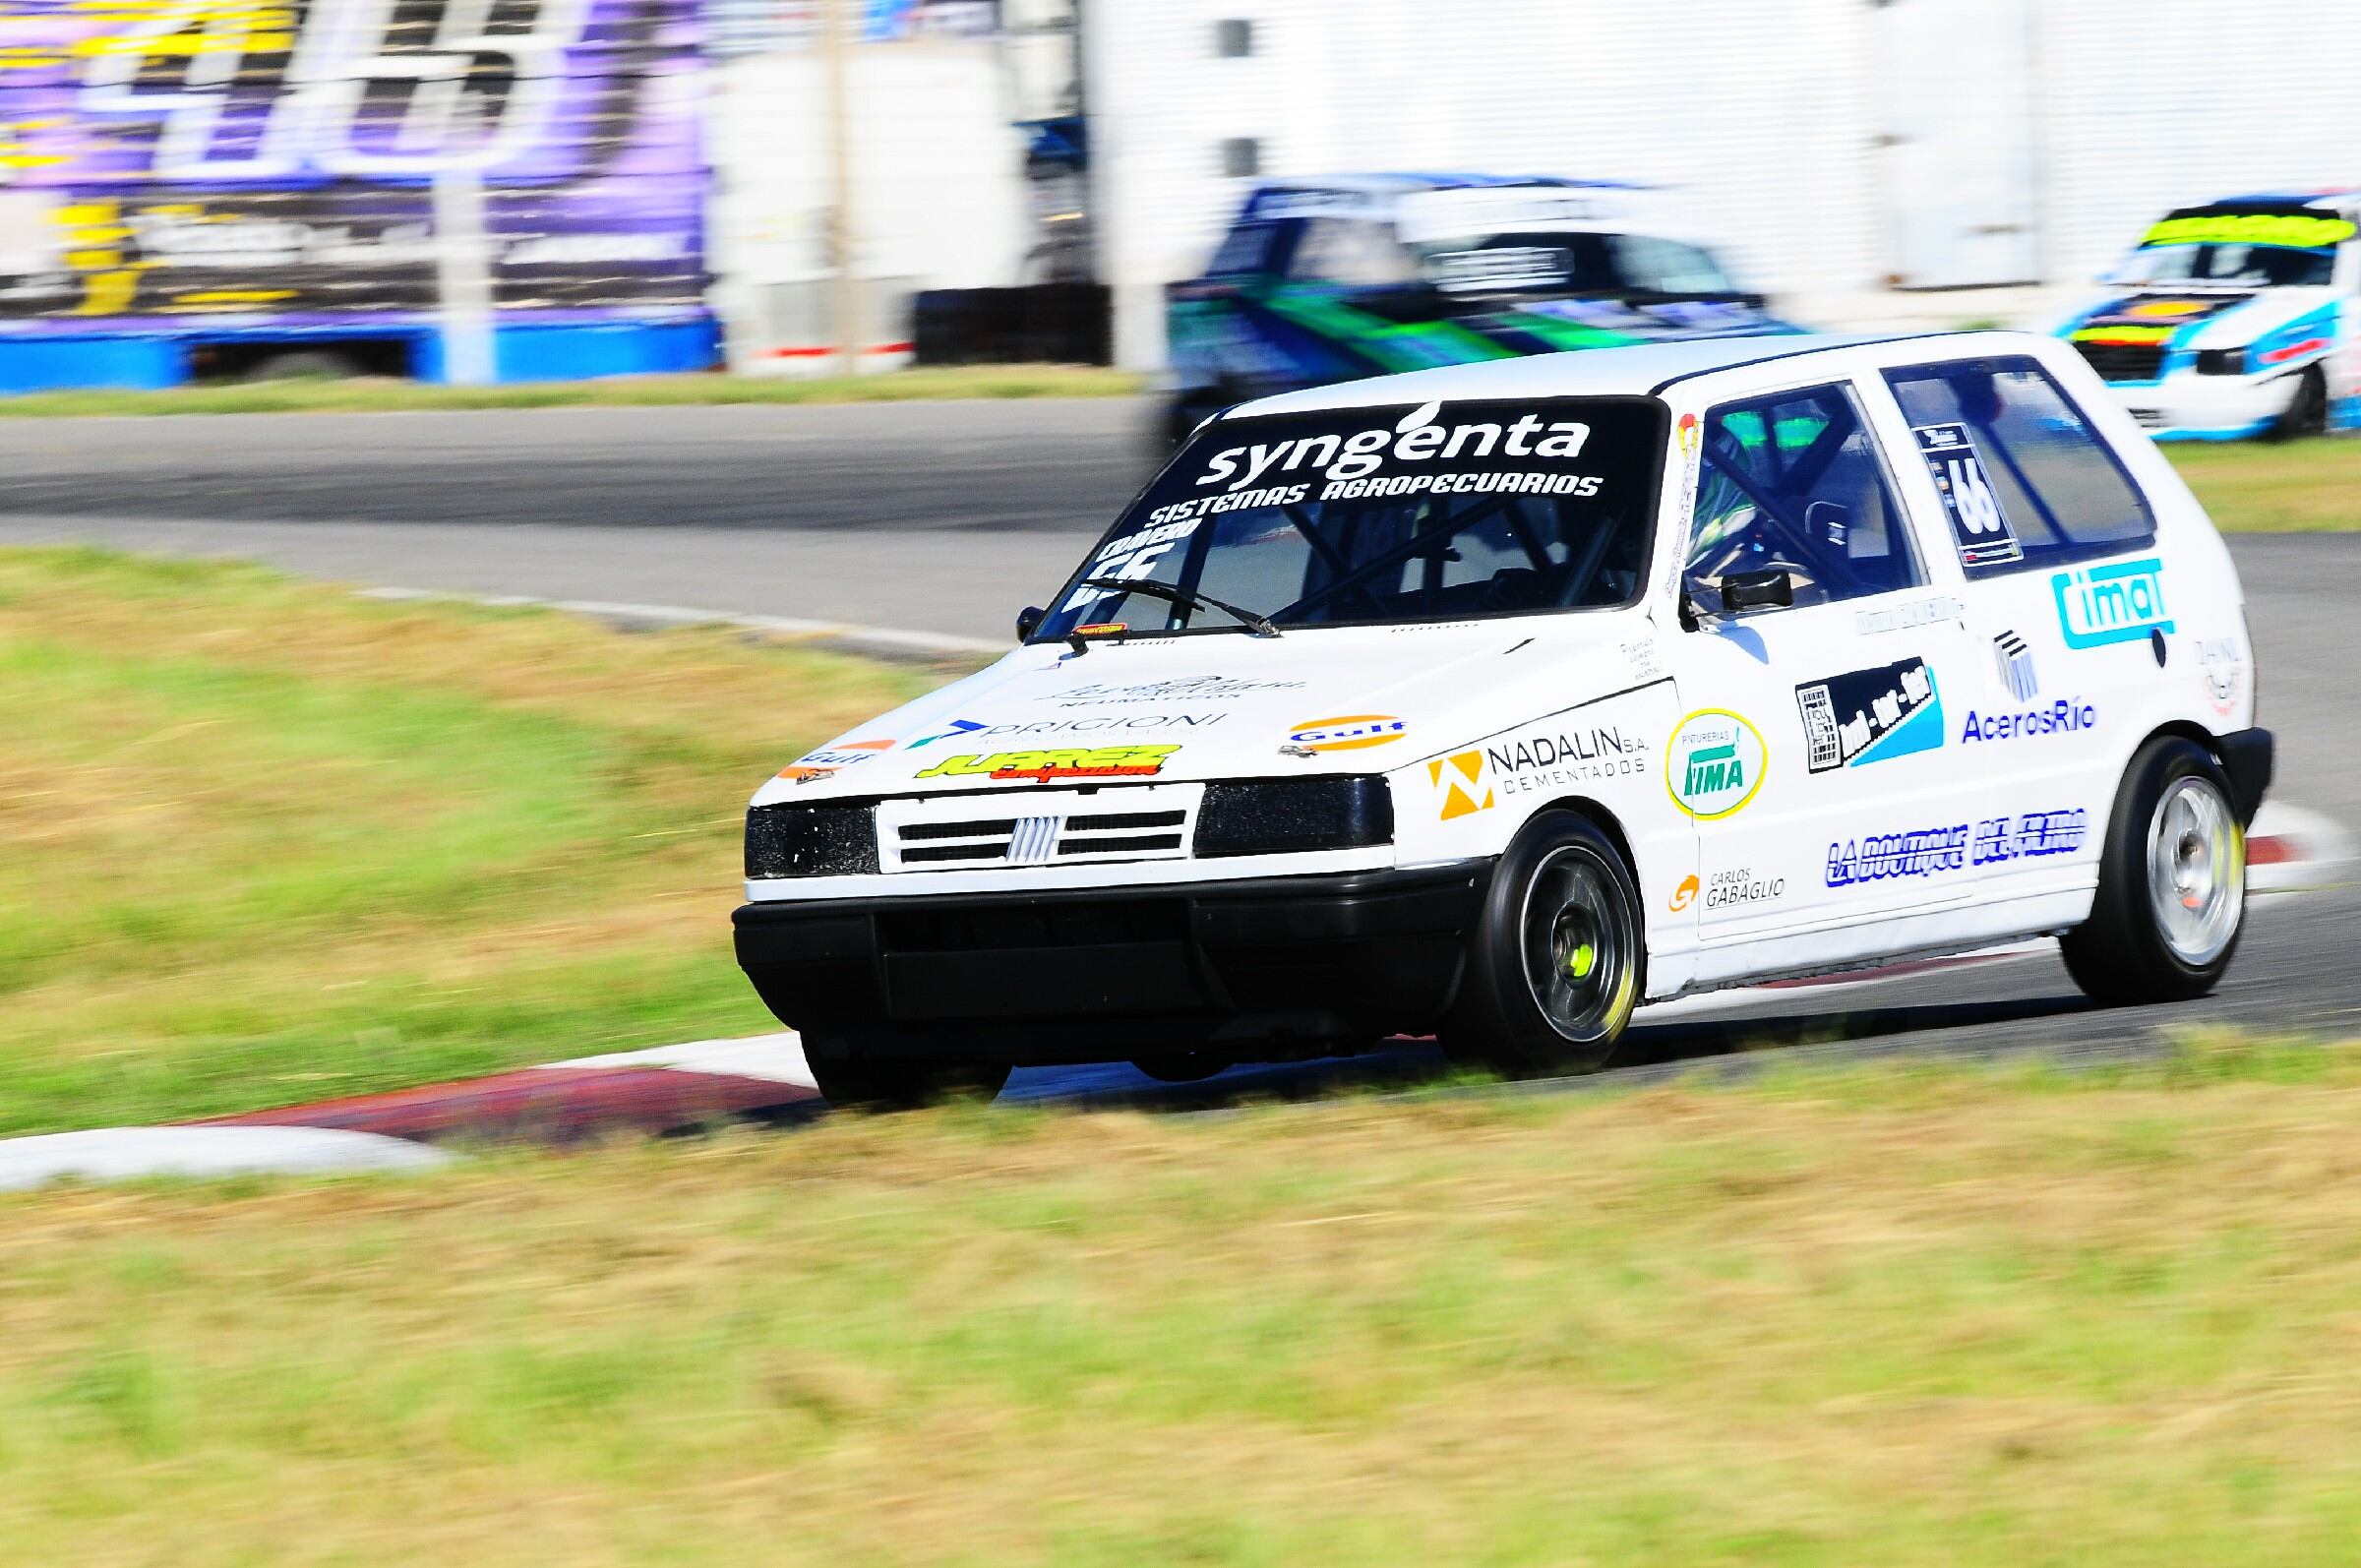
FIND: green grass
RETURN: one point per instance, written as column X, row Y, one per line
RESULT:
column 1874, row 1315
column 371, row 395
column 261, row 841
column 2303, row 486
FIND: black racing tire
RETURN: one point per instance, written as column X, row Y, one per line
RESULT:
column 2171, row 902
column 1183, row 1066
column 852, row 1079
column 2307, row 414
column 1557, row 961
column 1191, row 409
column 305, row 364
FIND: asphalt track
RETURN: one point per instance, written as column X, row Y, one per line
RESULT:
column 948, row 517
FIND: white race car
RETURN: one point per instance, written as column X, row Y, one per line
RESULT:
column 2236, row 318
column 1502, row 699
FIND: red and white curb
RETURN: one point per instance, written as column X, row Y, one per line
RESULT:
column 2292, row 850
column 672, row 1088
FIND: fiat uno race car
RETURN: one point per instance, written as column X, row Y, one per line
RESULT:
column 1331, row 279
column 1499, row 700
column 2240, row 318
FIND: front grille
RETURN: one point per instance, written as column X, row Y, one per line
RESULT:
column 1037, row 828
column 2124, row 361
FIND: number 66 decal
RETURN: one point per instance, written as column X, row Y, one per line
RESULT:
column 1979, row 525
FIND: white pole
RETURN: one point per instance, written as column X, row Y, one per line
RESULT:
column 844, row 303
column 464, row 261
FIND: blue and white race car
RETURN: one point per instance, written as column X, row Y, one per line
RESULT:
column 2239, row 318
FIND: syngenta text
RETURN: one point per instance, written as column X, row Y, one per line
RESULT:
column 1414, row 438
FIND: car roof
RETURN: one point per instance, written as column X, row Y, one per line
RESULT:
column 2334, row 196
column 1644, row 368
column 1378, row 192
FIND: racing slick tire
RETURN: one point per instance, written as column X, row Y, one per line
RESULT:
column 851, row 1079
column 1556, row 963
column 2171, row 901
column 2307, row 414
column 1183, row 1066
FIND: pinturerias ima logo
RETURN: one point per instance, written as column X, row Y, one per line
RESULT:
column 2119, row 603
column 1715, row 763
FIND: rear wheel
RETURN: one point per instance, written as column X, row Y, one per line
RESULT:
column 853, row 1080
column 305, row 364
column 1556, row 963
column 2171, row 900
column 2307, row 414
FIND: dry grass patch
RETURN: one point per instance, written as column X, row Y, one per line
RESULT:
column 2295, row 487
column 259, row 839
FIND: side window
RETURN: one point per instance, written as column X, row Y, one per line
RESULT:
column 1794, row 481
column 2025, row 481
column 1353, row 252
column 1245, row 250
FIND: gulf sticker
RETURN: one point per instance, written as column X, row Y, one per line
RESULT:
column 1715, row 763
column 826, row 761
column 1351, row 733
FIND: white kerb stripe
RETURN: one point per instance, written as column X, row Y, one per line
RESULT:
column 778, row 1058
column 122, row 1154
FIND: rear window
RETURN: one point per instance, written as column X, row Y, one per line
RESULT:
column 2025, row 481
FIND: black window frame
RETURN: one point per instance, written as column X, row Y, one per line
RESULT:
column 2045, row 558
column 1901, row 526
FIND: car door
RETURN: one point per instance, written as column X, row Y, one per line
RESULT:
column 2067, row 593
column 1813, row 757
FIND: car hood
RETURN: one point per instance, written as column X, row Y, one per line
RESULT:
column 1355, row 700
column 2197, row 317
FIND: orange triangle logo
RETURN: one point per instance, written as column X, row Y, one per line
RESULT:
column 1459, row 797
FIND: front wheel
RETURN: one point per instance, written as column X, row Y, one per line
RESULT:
column 2171, row 900
column 850, row 1079
column 1556, row 963
column 2308, row 413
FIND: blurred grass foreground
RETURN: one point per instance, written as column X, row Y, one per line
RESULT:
column 1933, row 1318
column 264, row 842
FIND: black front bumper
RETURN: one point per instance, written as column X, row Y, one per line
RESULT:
column 1289, row 964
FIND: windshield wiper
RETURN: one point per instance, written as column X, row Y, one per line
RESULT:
column 1187, row 598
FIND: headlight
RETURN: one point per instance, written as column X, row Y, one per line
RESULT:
column 1281, row 816
column 2221, row 362
column 811, row 841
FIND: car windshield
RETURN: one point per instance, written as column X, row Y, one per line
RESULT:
column 2250, row 265
column 1575, row 262
column 2244, row 247
column 1434, row 512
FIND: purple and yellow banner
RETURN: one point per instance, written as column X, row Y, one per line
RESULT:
column 301, row 162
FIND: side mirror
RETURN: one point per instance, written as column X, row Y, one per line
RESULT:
column 1769, row 588
column 1028, row 622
